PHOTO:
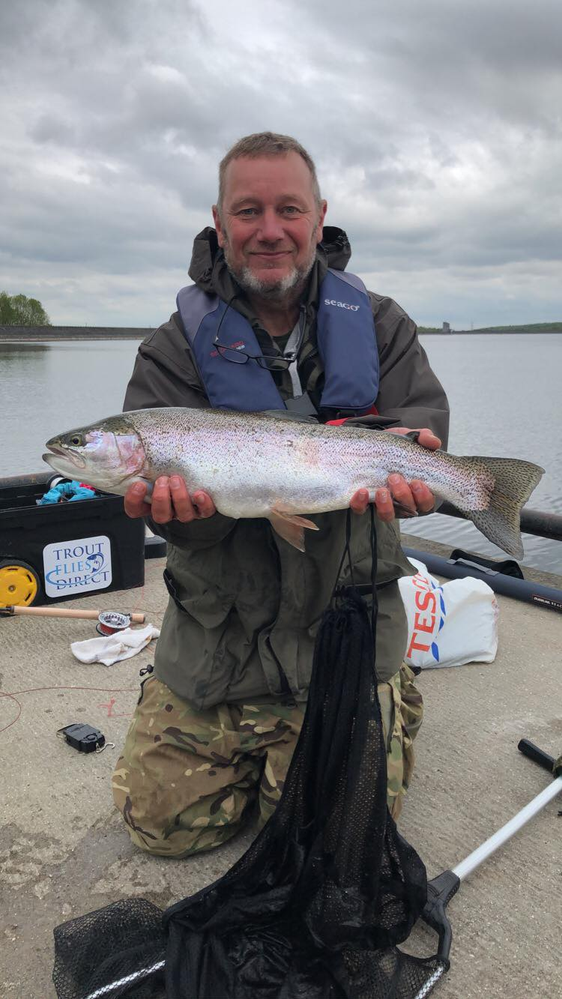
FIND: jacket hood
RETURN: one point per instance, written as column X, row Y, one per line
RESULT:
column 208, row 267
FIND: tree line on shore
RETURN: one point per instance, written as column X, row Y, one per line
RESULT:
column 19, row 310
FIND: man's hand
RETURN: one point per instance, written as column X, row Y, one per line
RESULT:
column 170, row 501
column 414, row 497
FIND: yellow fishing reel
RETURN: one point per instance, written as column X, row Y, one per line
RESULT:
column 19, row 583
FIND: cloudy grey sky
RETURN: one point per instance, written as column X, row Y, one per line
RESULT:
column 435, row 124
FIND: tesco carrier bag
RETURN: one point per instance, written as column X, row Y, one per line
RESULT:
column 448, row 623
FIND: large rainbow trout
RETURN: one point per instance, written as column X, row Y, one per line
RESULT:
column 258, row 465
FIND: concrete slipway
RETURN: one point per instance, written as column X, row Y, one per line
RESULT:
column 64, row 850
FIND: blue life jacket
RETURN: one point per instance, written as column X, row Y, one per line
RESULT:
column 346, row 343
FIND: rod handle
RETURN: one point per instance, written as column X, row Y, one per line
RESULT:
column 63, row 612
column 537, row 755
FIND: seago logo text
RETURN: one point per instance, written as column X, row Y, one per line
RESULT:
column 72, row 567
column 342, row 305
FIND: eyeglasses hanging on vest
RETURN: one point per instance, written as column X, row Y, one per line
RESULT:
column 272, row 362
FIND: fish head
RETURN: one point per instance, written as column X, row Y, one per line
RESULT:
column 109, row 455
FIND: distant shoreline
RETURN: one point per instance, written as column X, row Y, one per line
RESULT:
column 529, row 329
column 72, row 334
column 43, row 334
column 490, row 332
column 69, row 339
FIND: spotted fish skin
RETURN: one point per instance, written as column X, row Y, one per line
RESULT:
column 259, row 465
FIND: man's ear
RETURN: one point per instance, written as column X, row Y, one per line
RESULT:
column 218, row 225
column 321, row 217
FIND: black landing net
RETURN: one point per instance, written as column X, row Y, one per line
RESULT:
column 316, row 906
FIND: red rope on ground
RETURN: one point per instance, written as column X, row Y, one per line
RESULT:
column 32, row 690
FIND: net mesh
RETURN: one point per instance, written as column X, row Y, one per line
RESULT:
column 316, row 906
column 105, row 947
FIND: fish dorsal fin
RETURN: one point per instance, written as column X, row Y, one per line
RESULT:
column 291, row 527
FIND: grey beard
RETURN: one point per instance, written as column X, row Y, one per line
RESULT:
column 272, row 292
column 280, row 290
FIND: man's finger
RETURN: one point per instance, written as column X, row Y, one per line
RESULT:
column 428, row 439
column 401, row 493
column 182, row 506
column 204, row 505
column 135, row 505
column 162, row 511
column 424, row 498
column 384, row 505
column 360, row 501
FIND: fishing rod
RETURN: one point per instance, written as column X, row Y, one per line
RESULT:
column 17, row 611
column 498, row 576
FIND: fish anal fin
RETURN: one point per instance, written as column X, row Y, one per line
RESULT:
column 291, row 527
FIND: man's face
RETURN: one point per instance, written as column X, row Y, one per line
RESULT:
column 270, row 223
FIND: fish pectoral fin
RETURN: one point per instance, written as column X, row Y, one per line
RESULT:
column 290, row 527
column 293, row 518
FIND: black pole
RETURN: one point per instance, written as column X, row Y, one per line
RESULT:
column 509, row 586
column 545, row 525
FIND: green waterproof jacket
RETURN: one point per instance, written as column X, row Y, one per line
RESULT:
column 246, row 606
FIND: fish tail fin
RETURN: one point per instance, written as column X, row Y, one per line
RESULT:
column 513, row 483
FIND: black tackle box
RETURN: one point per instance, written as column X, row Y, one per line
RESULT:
column 63, row 550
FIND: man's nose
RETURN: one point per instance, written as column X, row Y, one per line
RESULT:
column 270, row 229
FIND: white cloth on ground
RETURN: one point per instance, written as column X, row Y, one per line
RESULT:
column 111, row 648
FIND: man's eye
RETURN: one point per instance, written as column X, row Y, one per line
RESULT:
column 247, row 212
column 291, row 210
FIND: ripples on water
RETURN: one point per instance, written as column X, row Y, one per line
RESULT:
column 504, row 396
column 503, row 390
column 50, row 387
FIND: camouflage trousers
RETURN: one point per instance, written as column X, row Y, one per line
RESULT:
column 187, row 779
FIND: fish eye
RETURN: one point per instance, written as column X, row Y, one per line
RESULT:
column 76, row 440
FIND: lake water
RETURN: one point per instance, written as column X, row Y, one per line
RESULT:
column 504, row 393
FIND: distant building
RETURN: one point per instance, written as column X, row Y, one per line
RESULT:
column 446, row 328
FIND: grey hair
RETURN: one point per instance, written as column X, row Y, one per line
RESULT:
column 266, row 144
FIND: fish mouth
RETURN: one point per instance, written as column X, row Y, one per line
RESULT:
column 70, row 456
